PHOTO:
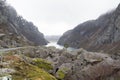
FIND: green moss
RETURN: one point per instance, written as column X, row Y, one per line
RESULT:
column 60, row 74
column 29, row 72
column 26, row 71
column 42, row 64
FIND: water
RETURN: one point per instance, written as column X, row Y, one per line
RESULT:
column 59, row 46
column 55, row 45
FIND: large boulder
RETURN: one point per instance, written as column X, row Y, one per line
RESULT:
column 87, row 65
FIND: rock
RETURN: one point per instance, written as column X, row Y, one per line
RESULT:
column 94, row 57
column 9, row 77
column 6, row 71
column 95, row 66
column 87, row 66
column 102, row 34
column 82, row 65
column 2, row 35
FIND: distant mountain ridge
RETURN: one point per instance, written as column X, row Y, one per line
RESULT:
column 12, row 24
column 53, row 38
column 102, row 34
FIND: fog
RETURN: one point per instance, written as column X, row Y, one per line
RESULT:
column 54, row 17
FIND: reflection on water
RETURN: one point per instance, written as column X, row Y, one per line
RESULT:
column 59, row 46
column 55, row 45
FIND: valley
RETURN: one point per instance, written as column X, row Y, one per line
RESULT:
column 90, row 51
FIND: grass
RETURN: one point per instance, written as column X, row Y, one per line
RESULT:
column 29, row 71
column 43, row 64
column 60, row 74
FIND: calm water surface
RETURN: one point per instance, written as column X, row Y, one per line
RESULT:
column 59, row 46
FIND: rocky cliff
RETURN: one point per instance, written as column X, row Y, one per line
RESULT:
column 15, row 30
column 102, row 34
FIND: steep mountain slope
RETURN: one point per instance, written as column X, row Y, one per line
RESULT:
column 96, row 35
column 13, row 24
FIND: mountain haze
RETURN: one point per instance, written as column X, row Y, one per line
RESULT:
column 102, row 34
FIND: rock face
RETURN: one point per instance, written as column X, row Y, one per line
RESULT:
column 96, row 35
column 14, row 26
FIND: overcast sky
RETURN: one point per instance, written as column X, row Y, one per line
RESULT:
column 54, row 17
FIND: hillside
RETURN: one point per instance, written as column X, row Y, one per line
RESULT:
column 102, row 34
column 15, row 30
